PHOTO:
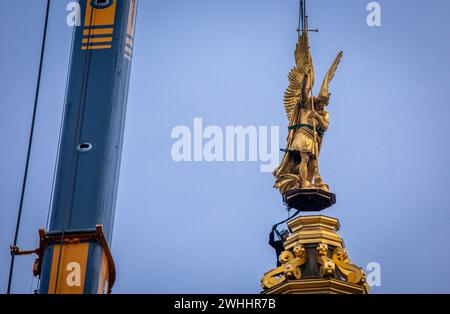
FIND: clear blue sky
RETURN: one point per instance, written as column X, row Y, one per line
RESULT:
column 203, row 227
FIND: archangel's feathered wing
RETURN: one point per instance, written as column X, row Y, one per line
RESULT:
column 324, row 91
column 301, row 77
column 301, row 81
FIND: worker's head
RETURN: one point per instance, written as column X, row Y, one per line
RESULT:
column 284, row 235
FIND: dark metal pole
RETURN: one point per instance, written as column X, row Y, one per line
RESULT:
column 302, row 23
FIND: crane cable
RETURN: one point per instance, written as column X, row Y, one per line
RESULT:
column 30, row 144
column 287, row 219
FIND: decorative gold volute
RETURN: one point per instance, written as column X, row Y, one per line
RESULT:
column 289, row 269
column 351, row 273
column 327, row 266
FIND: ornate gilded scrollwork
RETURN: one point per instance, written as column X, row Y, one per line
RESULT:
column 290, row 268
column 327, row 265
column 352, row 273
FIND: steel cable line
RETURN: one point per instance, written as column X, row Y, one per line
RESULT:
column 30, row 144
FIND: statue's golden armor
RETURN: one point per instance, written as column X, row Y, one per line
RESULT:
column 305, row 141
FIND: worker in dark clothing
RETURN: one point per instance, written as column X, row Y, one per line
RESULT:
column 278, row 244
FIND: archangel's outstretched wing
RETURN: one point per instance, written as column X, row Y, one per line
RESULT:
column 301, row 77
column 324, row 92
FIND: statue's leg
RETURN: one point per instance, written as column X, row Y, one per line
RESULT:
column 318, row 182
column 311, row 170
column 303, row 171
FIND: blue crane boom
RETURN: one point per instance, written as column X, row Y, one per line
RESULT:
column 74, row 255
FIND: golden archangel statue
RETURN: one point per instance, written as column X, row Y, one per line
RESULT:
column 308, row 122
